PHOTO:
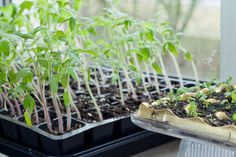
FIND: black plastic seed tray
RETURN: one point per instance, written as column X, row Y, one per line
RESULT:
column 123, row 147
column 88, row 137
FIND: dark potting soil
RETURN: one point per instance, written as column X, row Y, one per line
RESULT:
column 111, row 107
column 207, row 112
column 109, row 111
column 105, row 89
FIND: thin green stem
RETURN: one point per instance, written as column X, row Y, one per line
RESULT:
column 167, row 80
column 97, row 82
column 19, row 113
column 91, row 95
column 36, row 115
column 121, row 92
column 177, row 70
column 68, row 109
column 58, row 112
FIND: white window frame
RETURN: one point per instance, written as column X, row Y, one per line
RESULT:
column 4, row 2
column 228, row 40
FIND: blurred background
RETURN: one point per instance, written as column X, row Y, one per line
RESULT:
column 199, row 20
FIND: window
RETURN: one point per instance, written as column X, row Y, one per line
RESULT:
column 199, row 20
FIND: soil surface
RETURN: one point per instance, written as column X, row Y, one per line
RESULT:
column 221, row 102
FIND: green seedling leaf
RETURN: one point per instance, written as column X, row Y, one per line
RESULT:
column 65, row 80
column 73, row 73
column 27, row 119
column 3, row 76
column 29, row 103
column 92, row 30
column 91, row 52
column 14, row 11
column 43, row 62
column 53, row 84
column 84, row 32
column 141, row 35
column 107, row 53
column 12, row 76
column 140, row 58
column 188, row 56
column 233, row 97
column 171, row 94
column 234, row 117
column 114, row 78
column 26, row 5
column 138, row 79
column 88, row 43
column 41, row 48
column 63, row 3
column 77, row 4
column 191, row 109
column 229, row 80
column 172, row 49
column 60, row 35
column 182, row 90
column 28, row 77
column 149, row 35
column 66, row 98
column 164, row 49
column 72, row 23
column 25, row 74
column 223, row 102
column 157, row 68
column 5, row 47
column 64, row 15
column 133, row 68
column 127, row 24
column 203, row 97
column 145, row 52
column 227, row 94
column 131, row 60
column 198, row 95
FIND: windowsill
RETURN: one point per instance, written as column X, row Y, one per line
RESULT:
column 167, row 150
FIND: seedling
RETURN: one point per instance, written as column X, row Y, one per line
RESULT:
column 234, row 117
column 44, row 46
column 191, row 109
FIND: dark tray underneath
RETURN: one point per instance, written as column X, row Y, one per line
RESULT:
column 125, row 146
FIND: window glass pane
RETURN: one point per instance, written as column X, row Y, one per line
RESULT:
column 199, row 20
